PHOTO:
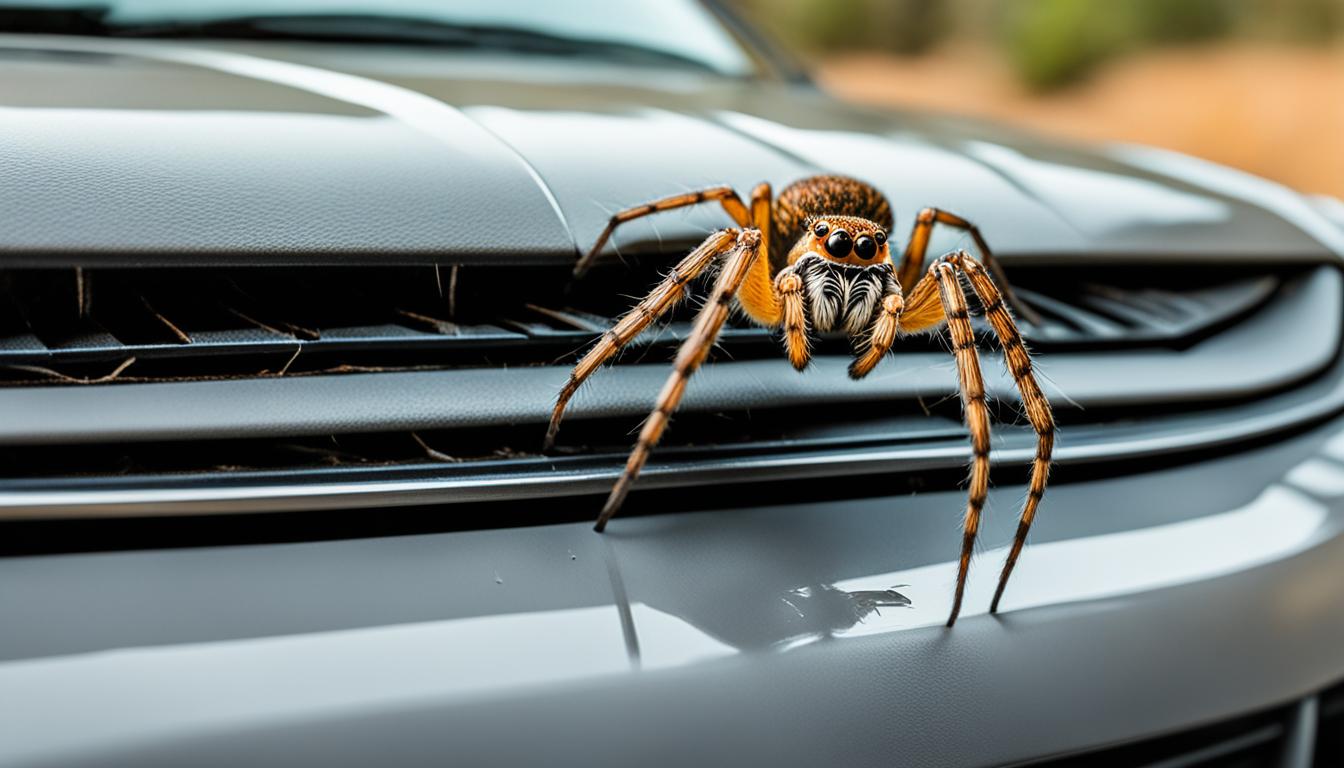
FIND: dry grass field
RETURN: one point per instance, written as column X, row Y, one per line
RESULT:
column 1274, row 111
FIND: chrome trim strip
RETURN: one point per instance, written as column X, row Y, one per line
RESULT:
column 1305, row 405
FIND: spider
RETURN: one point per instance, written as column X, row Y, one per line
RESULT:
column 815, row 260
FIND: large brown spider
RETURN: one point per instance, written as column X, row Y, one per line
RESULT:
column 837, row 276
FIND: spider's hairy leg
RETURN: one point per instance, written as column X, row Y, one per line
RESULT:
column 1037, row 407
column 881, row 335
column 793, row 317
column 725, row 196
column 916, row 250
column 757, row 296
column 666, row 295
column 976, row 413
column 692, row 353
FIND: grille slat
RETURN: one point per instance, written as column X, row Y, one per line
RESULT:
column 1308, row 733
column 735, row 423
column 19, row 345
column 1330, row 728
column 209, row 322
column 1130, row 314
column 87, row 338
column 1070, row 320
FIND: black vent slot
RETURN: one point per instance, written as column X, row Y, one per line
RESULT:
column 103, row 325
column 1255, row 742
column 1100, row 313
column 851, row 426
column 1330, row 729
column 1308, row 733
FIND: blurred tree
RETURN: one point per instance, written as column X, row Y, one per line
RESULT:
column 1314, row 21
column 1182, row 20
column 849, row 26
column 1053, row 42
column 1048, row 43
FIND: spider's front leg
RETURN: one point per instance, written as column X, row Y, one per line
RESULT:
column 664, row 297
column 756, row 213
column 881, row 335
column 740, row 265
column 790, row 293
column 757, row 297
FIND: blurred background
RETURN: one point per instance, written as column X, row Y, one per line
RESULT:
column 1255, row 84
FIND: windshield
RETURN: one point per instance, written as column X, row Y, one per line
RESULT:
column 674, row 30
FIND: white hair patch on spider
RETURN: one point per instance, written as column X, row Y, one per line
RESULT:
column 843, row 296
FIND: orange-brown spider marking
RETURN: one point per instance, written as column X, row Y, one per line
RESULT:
column 976, row 413
column 882, row 336
column 689, row 358
column 818, row 259
column 790, row 288
column 918, row 246
column 668, row 293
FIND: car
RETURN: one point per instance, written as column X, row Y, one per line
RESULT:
column 287, row 299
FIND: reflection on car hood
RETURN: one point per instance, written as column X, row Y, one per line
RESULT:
column 268, row 152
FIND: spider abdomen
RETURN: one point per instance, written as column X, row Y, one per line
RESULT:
column 843, row 297
column 819, row 195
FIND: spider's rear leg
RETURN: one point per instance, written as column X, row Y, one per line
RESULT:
column 976, row 413
column 917, row 248
column 689, row 358
column 724, row 195
column 1037, row 406
column 666, row 295
column 920, row 314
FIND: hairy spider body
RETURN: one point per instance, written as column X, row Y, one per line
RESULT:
column 817, row 260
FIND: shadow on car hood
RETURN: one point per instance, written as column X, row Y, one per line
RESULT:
column 135, row 151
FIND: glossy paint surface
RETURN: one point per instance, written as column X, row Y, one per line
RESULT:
column 274, row 651
column 779, row 631
column 126, row 150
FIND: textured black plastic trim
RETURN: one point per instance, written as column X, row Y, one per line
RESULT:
column 222, row 492
column 1288, row 342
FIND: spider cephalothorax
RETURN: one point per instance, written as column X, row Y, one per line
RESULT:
column 843, row 239
column 815, row 260
column 845, row 271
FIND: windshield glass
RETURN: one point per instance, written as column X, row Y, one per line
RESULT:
column 680, row 30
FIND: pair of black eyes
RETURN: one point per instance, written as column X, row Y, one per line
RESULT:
column 839, row 244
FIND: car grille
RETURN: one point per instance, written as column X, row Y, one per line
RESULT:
column 1305, row 734
column 105, row 325
column 172, row 390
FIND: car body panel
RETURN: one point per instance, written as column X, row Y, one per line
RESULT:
column 791, row 622
column 412, row 176
column 274, row 153
column 1179, row 596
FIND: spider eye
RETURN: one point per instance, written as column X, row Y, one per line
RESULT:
column 880, row 237
column 821, row 228
column 865, row 247
column 839, row 244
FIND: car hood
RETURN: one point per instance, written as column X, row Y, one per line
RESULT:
column 136, row 151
